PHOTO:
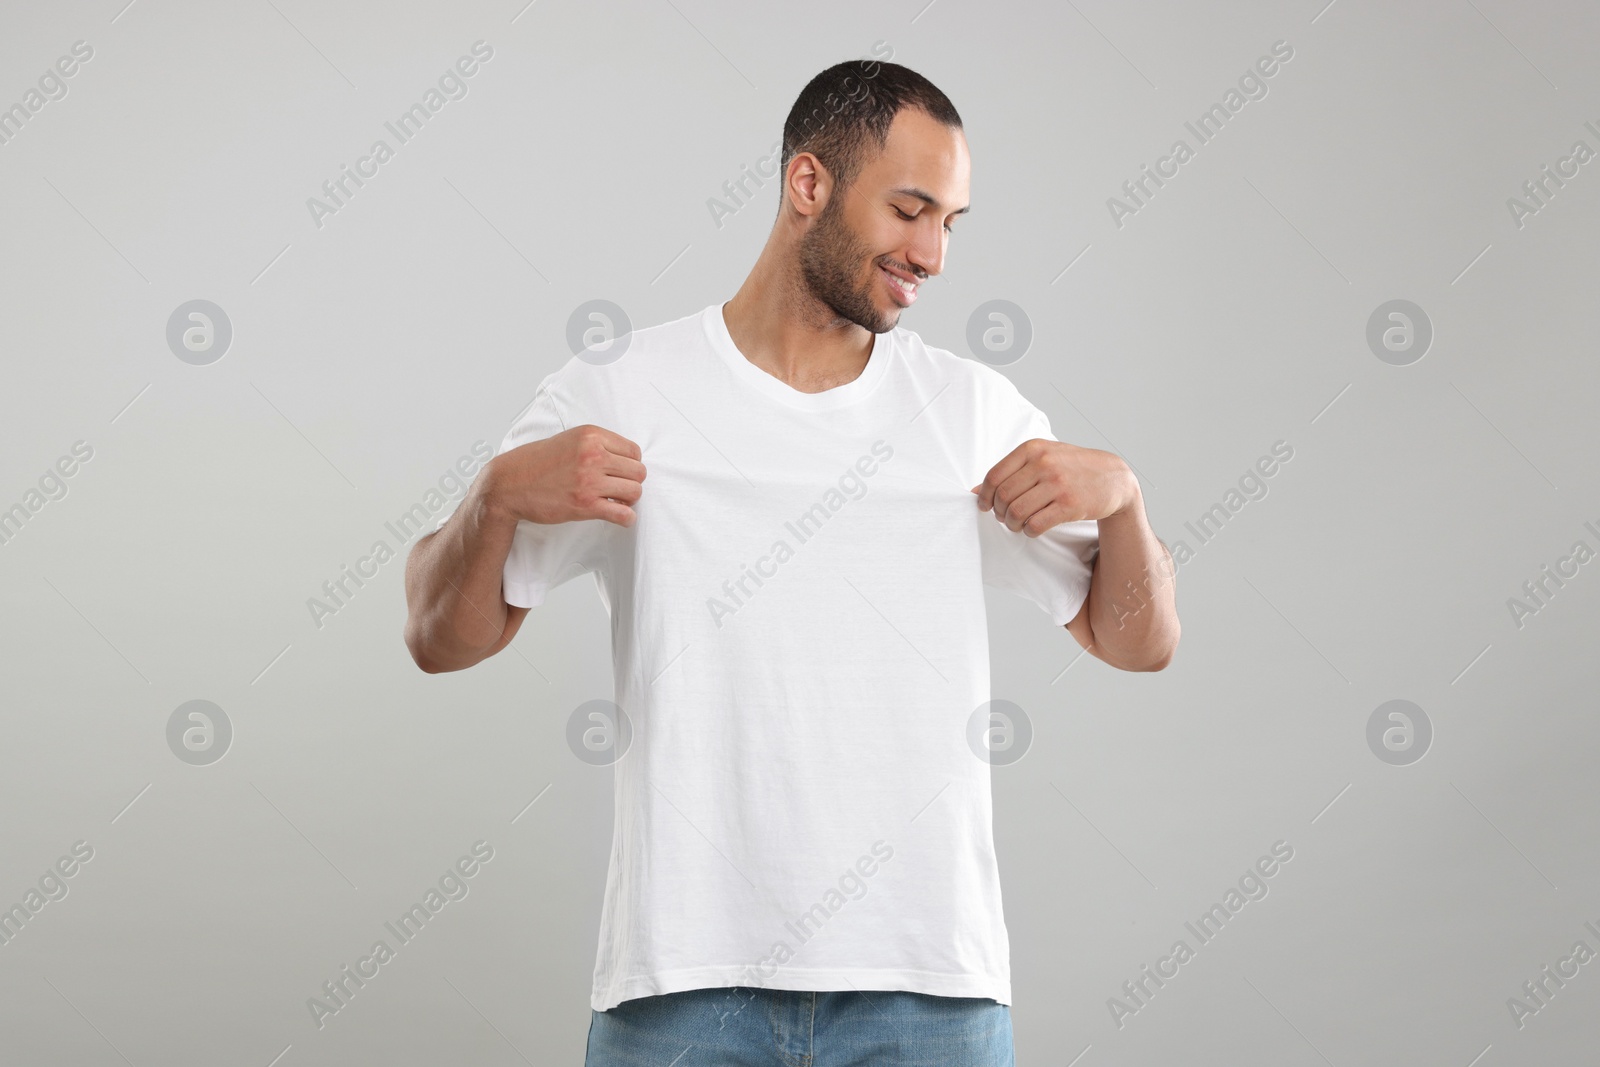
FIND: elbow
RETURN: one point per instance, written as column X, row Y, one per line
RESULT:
column 421, row 655
column 427, row 666
column 420, row 658
column 436, row 651
column 1157, row 660
column 1168, row 651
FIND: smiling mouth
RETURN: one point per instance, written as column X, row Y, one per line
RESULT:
column 905, row 293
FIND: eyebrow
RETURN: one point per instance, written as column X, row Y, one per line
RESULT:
column 927, row 199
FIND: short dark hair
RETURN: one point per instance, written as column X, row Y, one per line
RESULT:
column 850, row 105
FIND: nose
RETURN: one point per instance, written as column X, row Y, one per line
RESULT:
column 926, row 251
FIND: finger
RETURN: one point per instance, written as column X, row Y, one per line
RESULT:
column 619, row 444
column 1049, row 518
column 1008, row 491
column 1031, row 510
column 625, row 490
column 1014, row 461
column 610, row 511
column 616, row 465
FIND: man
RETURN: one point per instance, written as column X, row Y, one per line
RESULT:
column 803, row 867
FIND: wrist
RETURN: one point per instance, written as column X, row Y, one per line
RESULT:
column 1132, row 496
column 485, row 502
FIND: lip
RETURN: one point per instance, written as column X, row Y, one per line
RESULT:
column 903, row 299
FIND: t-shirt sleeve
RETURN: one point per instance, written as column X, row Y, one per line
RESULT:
column 1054, row 569
column 545, row 555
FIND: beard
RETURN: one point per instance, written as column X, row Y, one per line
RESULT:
column 830, row 256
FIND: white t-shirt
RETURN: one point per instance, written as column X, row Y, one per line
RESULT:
column 800, row 643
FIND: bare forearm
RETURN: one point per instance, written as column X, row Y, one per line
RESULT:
column 456, row 615
column 1133, row 596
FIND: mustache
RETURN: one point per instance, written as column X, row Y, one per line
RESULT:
column 916, row 272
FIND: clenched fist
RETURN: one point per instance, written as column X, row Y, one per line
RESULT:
column 1044, row 483
column 586, row 472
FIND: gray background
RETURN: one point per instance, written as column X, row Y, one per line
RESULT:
column 369, row 354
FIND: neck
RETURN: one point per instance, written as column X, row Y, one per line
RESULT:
column 780, row 327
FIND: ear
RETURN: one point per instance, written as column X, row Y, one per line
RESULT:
column 807, row 184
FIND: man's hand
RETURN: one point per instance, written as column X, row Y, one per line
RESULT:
column 586, row 472
column 1043, row 483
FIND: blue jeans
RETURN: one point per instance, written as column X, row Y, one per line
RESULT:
column 743, row 1027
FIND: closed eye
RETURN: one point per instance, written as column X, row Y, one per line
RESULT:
column 910, row 218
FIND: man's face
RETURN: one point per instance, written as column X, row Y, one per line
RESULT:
column 891, row 222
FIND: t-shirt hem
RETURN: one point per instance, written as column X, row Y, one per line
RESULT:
column 803, row 979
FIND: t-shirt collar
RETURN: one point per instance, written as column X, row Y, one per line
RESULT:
column 716, row 329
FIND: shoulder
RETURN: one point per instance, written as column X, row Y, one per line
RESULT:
column 609, row 363
column 600, row 382
column 990, row 390
column 978, row 397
